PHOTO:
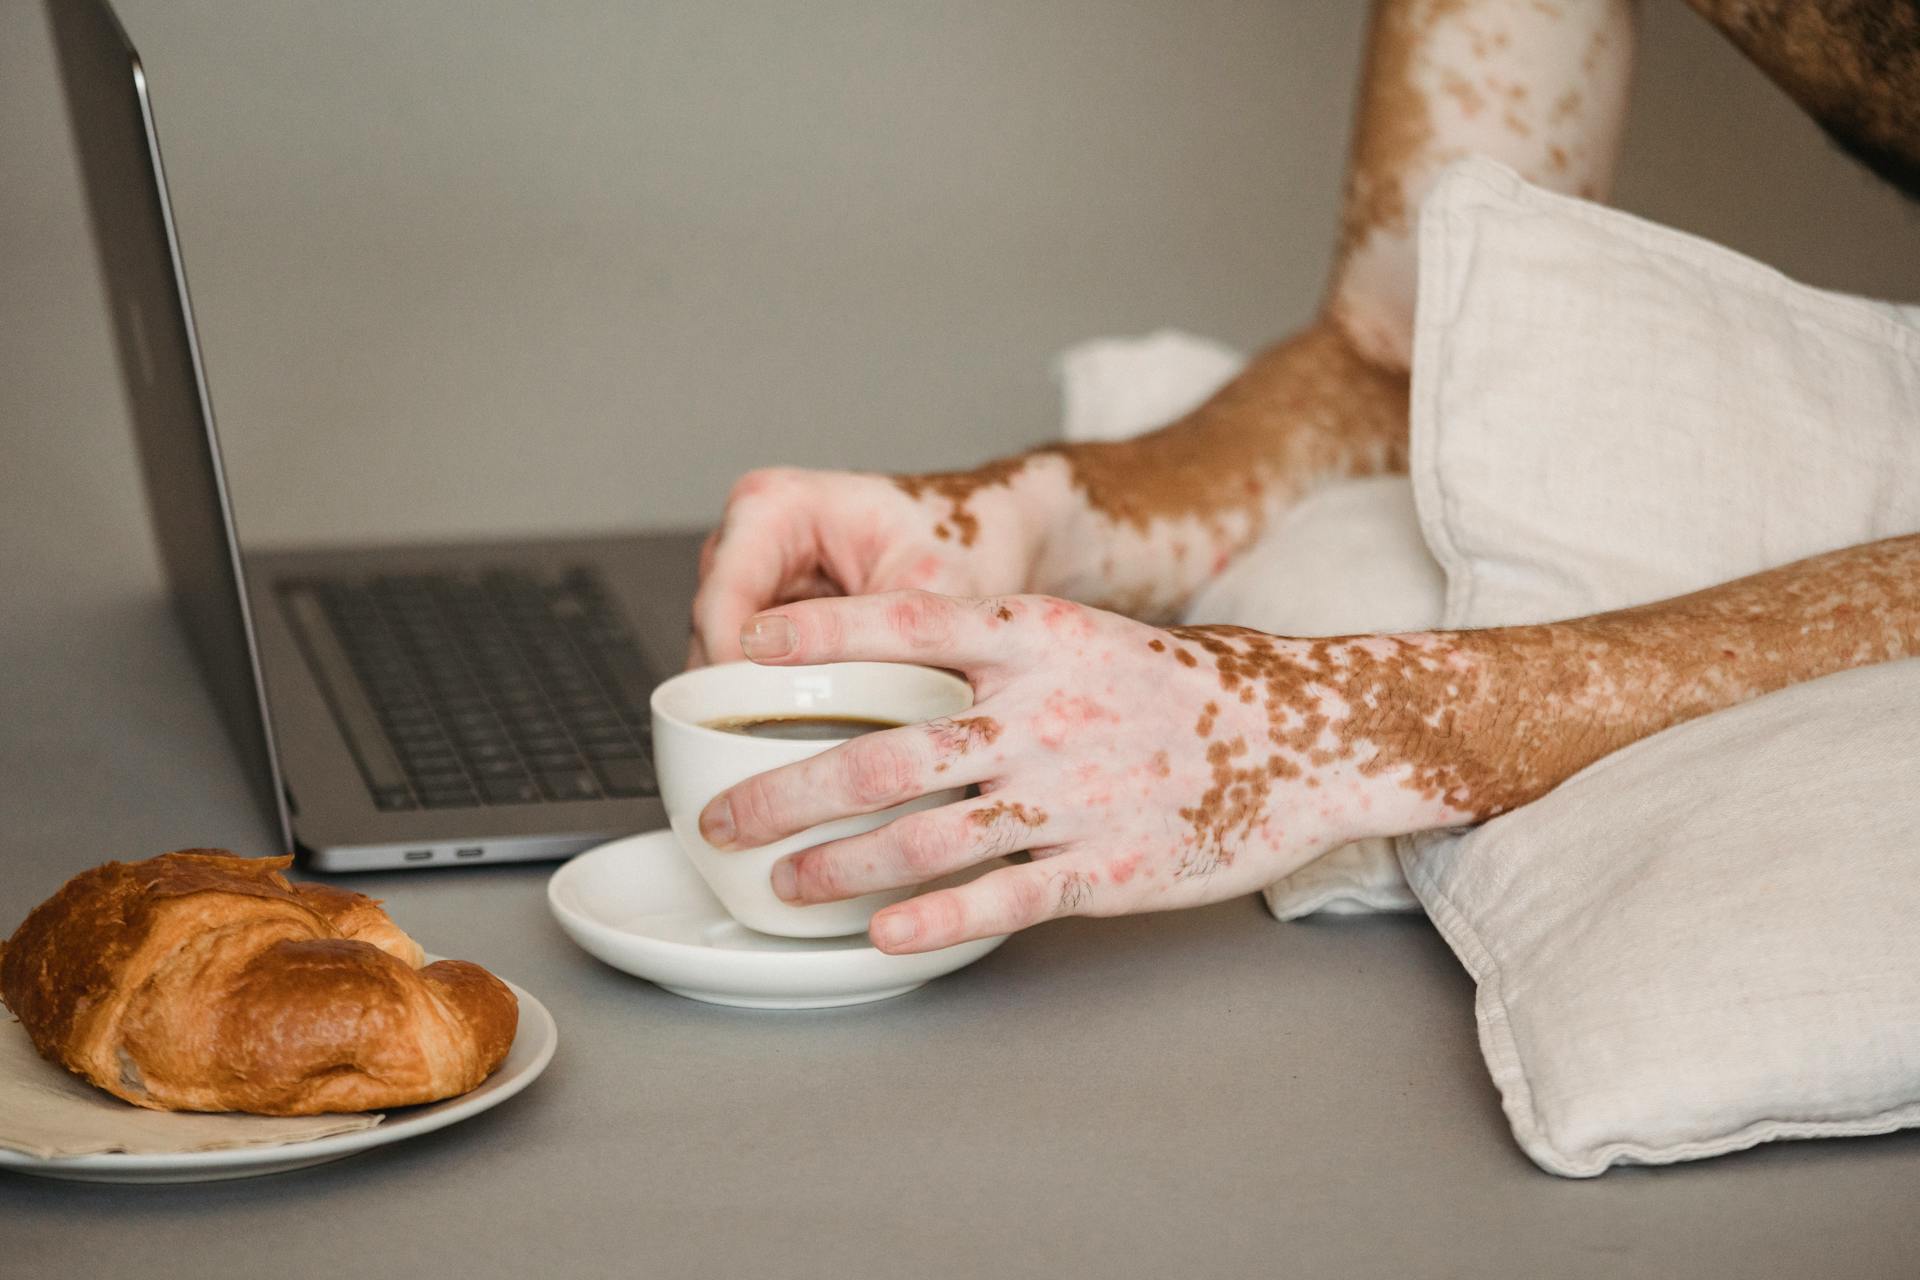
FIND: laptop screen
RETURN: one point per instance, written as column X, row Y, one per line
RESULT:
column 152, row 322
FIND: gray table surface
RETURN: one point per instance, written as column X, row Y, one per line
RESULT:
column 1208, row 1092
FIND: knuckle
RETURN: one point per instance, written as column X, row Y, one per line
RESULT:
column 943, row 915
column 755, row 806
column 920, row 618
column 876, row 771
column 820, row 630
column 818, row 877
column 760, row 482
column 1025, row 898
column 922, row 846
column 1000, row 835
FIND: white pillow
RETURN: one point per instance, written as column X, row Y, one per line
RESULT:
column 1607, row 412
column 1115, row 388
column 1671, row 968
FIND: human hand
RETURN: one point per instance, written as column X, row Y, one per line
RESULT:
column 1145, row 769
column 791, row 535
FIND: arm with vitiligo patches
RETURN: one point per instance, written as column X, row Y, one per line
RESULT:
column 1139, row 525
column 1149, row 769
column 1540, row 85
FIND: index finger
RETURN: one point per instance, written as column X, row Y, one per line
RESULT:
column 898, row 626
column 744, row 574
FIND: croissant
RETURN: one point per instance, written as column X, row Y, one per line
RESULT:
column 200, row 981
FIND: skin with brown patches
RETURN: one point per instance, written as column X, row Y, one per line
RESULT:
column 956, row 490
column 1479, row 722
column 1308, row 410
column 953, row 738
column 959, row 736
column 1004, row 811
column 1445, row 78
column 1185, row 767
column 1140, row 525
column 1170, row 784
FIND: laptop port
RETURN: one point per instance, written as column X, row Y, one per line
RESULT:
column 418, row 855
column 467, row 853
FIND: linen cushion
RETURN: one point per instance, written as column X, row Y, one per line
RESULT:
column 1607, row 412
column 1706, row 940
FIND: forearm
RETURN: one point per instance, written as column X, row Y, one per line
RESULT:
column 1138, row 525
column 1444, row 728
column 1539, row 86
column 1552, row 699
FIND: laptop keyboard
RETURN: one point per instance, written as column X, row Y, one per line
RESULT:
column 495, row 688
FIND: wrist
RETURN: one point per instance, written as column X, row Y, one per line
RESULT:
column 1414, row 722
column 1059, row 543
column 1004, row 513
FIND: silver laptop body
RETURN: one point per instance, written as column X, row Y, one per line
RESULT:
column 406, row 706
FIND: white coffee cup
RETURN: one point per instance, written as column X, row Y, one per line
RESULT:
column 696, row 762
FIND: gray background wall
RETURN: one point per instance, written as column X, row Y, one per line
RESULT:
column 582, row 263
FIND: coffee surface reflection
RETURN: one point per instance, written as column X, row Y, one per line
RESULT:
column 802, row 728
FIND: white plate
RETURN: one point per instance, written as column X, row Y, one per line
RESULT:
column 638, row 905
column 533, row 1045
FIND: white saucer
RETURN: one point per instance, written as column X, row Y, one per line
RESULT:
column 637, row 904
column 533, row 1045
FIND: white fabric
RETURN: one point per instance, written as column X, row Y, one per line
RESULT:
column 1607, row 412
column 1113, row 388
column 1347, row 559
column 1707, row 940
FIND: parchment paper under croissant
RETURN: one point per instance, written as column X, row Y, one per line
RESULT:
column 199, row 981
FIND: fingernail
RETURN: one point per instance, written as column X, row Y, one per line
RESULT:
column 786, row 882
column 768, row 636
column 716, row 823
column 895, row 929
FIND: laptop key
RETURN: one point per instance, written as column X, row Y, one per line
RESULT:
column 499, row 769
column 498, row 688
column 509, row 790
column 631, row 777
column 569, row 784
column 391, row 798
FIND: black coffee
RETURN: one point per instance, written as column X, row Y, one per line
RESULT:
column 802, row 728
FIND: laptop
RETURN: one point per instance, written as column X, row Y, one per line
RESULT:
column 405, row 706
